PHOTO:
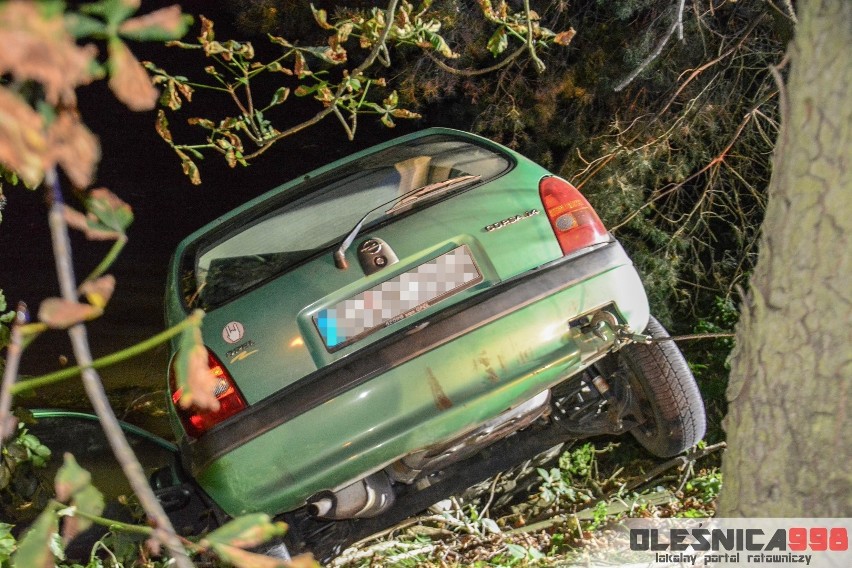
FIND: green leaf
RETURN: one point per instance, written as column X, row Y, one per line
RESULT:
column 280, row 96
column 113, row 11
column 39, row 453
column 516, row 552
column 499, row 42
column 70, row 479
column 304, row 90
column 321, row 17
column 387, row 120
column 440, row 45
column 247, row 531
column 7, row 542
column 5, row 476
column 391, row 100
column 88, row 500
column 325, row 53
column 109, row 210
column 34, row 550
column 9, row 316
column 80, row 26
column 491, row 526
column 279, row 41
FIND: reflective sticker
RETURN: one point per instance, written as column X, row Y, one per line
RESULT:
column 233, row 332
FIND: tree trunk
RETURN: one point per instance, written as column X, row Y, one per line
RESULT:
column 789, row 420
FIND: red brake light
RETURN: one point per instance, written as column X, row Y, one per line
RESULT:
column 574, row 222
column 231, row 402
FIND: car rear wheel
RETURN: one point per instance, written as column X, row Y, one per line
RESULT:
column 667, row 394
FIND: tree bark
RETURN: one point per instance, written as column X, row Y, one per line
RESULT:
column 789, row 418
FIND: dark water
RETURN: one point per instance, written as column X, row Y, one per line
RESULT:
column 141, row 169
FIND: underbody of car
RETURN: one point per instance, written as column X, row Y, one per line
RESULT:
column 403, row 323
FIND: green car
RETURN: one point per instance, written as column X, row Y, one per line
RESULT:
column 402, row 323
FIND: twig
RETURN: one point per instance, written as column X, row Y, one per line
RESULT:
column 475, row 72
column 676, row 25
column 484, row 510
column 539, row 64
column 775, row 70
column 110, row 359
column 94, row 387
column 654, row 499
column 678, row 461
column 790, row 14
column 10, row 373
column 423, row 549
column 107, row 261
column 462, row 518
column 692, row 336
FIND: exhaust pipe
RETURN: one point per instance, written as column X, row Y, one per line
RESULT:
column 367, row 497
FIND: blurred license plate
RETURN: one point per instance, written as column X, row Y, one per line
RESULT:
column 398, row 298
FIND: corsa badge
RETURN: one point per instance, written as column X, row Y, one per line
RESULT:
column 511, row 220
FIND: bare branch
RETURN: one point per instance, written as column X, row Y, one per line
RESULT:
column 539, row 64
column 10, row 373
column 790, row 13
column 94, row 387
column 475, row 72
column 676, row 25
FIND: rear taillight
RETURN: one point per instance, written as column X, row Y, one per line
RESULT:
column 196, row 422
column 574, row 222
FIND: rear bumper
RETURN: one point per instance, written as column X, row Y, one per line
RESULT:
column 468, row 364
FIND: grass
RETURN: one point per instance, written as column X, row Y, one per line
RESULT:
column 545, row 514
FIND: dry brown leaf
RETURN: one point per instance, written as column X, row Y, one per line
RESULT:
column 22, row 142
column 39, row 48
column 58, row 313
column 240, row 557
column 564, row 38
column 74, row 147
column 168, row 19
column 128, row 79
column 201, row 381
column 98, row 292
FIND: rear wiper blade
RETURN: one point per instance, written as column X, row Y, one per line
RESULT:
column 431, row 190
column 400, row 202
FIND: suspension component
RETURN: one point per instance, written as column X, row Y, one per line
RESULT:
column 611, row 402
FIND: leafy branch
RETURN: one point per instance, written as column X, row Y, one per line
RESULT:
column 79, row 505
column 320, row 72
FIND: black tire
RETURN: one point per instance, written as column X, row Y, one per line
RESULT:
column 668, row 393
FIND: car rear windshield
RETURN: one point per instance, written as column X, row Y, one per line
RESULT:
column 320, row 218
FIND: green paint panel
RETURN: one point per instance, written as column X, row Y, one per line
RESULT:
column 432, row 398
